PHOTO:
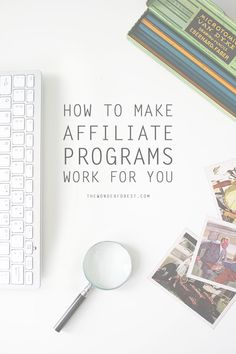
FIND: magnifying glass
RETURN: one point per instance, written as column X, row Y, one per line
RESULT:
column 107, row 265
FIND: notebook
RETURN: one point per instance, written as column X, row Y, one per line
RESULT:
column 172, row 32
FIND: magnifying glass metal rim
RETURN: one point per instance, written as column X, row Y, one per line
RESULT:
column 83, row 294
column 115, row 287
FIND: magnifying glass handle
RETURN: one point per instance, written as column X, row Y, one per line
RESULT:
column 73, row 307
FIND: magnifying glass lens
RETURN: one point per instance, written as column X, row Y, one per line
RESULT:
column 107, row 265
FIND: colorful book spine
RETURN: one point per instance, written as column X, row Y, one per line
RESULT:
column 203, row 24
column 167, row 31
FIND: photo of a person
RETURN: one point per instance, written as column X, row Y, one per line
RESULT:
column 214, row 261
column 212, row 254
column 208, row 301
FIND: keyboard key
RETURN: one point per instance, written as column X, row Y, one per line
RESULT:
column 4, row 189
column 5, row 131
column 19, row 81
column 5, row 85
column 29, row 186
column 18, row 109
column 18, row 138
column 4, row 204
column 5, row 117
column 29, row 262
column 29, row 201
column 29, row 110
column 18, row 95
column 29, row 171
column 17, row 167
column 5, row 145
column 17, row 211
column 18, row 153
column 29, row 231
column 5, row 102
column 17, row 256
column 4, row 248
column 18, row 123
column 29, row 140
column 28, row 278
column 30, row 95
column 4, row 278
column 4, row 160
column 30, row 80
column 29, row 125
column 17, row 226
column 17, row 274
column 4, row 233
column 4, row 175
column 28, row 216
column 29, row 155
column 17, row 182
column 4, row 219
column 17, row 241
column 17, row 197
column 4, row 263
column 28, row 247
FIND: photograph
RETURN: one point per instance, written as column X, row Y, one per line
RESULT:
column 208, row 301
column 222, row 178
column 214, row 260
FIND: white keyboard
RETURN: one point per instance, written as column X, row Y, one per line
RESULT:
column 20, row 116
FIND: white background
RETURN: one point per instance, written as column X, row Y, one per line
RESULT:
column 82, row 50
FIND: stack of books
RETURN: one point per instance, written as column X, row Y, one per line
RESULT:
column 197, row 41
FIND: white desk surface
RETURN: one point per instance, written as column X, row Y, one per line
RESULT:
column 82, row 50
